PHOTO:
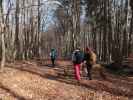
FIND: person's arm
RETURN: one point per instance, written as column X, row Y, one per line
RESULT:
column 56, row 54
column 85, row 57
column 93, row 57
column 50, row 54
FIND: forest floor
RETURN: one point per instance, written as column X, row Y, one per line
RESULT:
column 37, row 80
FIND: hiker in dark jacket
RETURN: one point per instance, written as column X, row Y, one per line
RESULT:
column 90, row 60
column 77, row 59
column 53, row 55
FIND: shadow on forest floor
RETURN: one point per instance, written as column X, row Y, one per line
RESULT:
column 97, row 85
column 15, row 95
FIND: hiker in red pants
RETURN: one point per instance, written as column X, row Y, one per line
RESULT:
column 77, row 59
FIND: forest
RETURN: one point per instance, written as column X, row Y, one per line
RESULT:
column 29, row 29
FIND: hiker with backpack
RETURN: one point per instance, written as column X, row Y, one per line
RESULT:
column 89, row 60
column 77, row 60
column 53, row 56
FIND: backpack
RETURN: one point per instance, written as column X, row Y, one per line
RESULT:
column 91, row 58
column 77, row 57
column 53, row 54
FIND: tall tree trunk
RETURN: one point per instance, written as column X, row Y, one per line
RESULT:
column 3, row 52
column 125, row 33
column 2, row 37
column 17, row 44
column 76, row 22
column 105, row 32
column 130, row 46
column 39, row 21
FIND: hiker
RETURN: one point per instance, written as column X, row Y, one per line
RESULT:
column 77, row 59
column 53, row 55
column 89, row 60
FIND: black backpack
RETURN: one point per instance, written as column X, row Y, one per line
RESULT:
column 77, row 57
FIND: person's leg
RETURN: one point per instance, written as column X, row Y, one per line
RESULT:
column 53, row 62
column 77, row 71
column 101, row 72
column 89, row 71
column 84, row 69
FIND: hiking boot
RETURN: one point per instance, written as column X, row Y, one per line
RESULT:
column 88, row 78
